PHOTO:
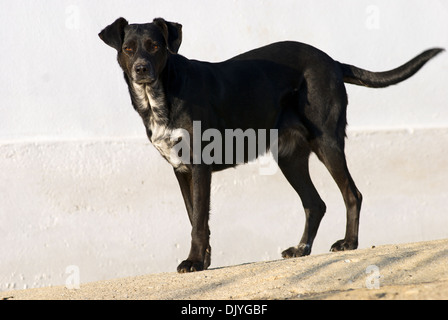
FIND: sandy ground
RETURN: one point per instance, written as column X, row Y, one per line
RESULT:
column 404, row 271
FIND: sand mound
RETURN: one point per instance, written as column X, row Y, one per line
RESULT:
column 404, row 271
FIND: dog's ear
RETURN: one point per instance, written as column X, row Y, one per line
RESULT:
column 172, row 32
column 113, row 35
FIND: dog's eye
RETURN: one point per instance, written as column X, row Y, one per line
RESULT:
column 128, row 49
column 151, row 46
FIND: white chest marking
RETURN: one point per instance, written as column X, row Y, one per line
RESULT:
column 147, row 98
column 162, row 136
column 161, row 140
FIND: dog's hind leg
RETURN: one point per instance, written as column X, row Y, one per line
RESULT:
column 327, row 114
column 295, row 168
column 330, row 150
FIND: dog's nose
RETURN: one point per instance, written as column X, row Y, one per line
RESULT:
column 141, row 69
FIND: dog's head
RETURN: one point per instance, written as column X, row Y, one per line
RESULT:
column 143, row 49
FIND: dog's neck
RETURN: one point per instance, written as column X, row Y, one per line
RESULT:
column 150, row 103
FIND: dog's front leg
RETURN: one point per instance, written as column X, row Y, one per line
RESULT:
column 195, row 187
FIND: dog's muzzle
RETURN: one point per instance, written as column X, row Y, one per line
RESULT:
column 143, row 72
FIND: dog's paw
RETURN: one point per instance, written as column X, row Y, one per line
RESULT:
column 344, row 245
column 299, row 251
column 190, row 266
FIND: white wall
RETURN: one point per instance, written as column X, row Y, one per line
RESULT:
column 79, row 184
column 59, row 81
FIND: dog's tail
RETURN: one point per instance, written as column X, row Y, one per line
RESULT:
column 361, row 77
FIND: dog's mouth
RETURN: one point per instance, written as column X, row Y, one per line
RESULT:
column 144, row 80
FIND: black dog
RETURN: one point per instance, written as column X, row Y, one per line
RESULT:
column 288, row 86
